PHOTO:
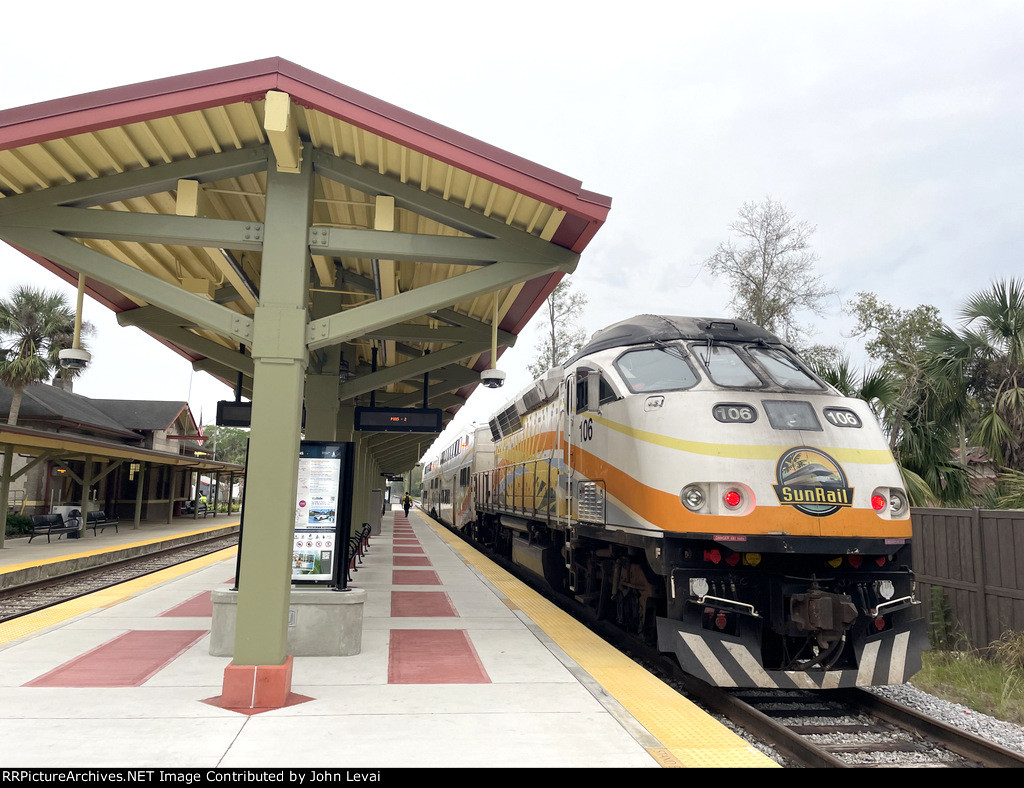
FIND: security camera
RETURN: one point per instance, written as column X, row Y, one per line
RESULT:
column 74, row 358
column 492, row 378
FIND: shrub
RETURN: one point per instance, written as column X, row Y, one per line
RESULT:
column 1008, row 651
column 18, row 525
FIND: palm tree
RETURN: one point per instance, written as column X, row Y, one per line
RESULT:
column 919, row 436
column 982, row 368
column 34, row 326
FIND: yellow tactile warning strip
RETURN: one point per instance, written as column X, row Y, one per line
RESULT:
column 33, row 622
column 690, row 737
column 109, row 548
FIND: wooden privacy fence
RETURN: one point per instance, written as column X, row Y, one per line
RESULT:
column 969, row 565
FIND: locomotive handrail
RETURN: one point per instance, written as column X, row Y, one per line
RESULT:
column 904, row 601
column 734, row 602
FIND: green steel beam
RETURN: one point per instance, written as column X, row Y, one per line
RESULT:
column 353, row 323
column 414, row 199
column 407, row 370
column 145, row 228
column 347, row 242
column 224, row 373
column 130, row 280
column 169, row 326
column 139, row 183
column 458, row 328
column 417, row 333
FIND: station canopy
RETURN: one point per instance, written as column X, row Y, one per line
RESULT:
column 422, row 239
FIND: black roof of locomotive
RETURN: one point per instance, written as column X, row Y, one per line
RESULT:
column 666, row 328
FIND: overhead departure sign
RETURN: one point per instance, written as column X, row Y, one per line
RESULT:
column 239, row 414
column 398, row 419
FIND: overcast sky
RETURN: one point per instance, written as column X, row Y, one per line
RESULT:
column 895, row 128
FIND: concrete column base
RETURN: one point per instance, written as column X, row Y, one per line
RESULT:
column 321, row 622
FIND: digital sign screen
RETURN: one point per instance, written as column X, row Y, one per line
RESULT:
column 234, row 414
column 239, row 414
column 398, row 419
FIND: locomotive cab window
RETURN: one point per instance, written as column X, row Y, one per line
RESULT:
column 591, row 377
column 784, row 369
column 726, row 367
column 655, row 369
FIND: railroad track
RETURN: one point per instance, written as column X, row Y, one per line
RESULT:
column 30, row 597
column 850, row 729
column 815, row 729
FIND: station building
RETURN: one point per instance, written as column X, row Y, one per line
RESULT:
column 128, row 452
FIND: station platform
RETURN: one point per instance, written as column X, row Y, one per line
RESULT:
column 22, row 560
column 460, row 665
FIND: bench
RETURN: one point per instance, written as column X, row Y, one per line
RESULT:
column 100, row 520
column 190, row 508
column 358, row 545
column 51, row 524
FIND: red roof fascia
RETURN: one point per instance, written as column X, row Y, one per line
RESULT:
column 250, row 81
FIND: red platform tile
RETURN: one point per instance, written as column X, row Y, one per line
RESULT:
column 406, row 549
column 414, row 577
column 422, row 656
column 126, row 661
column 411, row 560
column 199, row 606
column 427, row 604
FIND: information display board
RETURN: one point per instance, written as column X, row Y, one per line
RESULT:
column 322, row 507
column 398, row 419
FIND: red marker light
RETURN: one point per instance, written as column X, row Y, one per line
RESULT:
column 732, row 499
column 878, row 502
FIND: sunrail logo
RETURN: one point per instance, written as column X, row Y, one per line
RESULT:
column 811, row 482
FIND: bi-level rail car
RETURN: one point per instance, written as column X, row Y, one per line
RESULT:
column 697, row 483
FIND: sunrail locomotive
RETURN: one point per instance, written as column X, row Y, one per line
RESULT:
column 695, row 482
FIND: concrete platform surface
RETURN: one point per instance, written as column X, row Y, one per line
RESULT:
column 460, row 666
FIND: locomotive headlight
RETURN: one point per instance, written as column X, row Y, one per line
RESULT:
column 897, row 502
column 693, row 497
column 885, row 589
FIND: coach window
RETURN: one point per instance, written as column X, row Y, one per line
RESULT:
column 725, row 366
column 656, row 369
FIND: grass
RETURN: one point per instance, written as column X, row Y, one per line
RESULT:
column 991, row 683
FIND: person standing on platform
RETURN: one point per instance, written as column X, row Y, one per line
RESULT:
column 406, row 503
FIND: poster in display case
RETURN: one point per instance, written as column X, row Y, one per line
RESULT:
column 323, row 504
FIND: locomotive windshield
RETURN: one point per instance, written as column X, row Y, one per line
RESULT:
column 655, row 369
column 783, row 369
column 726, row 367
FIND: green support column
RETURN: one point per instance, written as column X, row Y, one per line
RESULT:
column 322, row 388
column 279, row 365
